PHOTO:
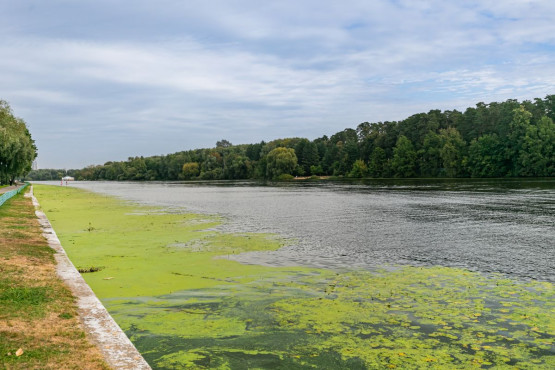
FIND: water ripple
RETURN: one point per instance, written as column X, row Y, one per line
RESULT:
column 495, row 226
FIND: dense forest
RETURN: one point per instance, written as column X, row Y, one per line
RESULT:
column 508, row 139
column 17, row 148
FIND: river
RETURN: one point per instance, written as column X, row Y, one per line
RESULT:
column 505, row 226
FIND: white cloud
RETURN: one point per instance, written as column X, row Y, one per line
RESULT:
column 182, row 72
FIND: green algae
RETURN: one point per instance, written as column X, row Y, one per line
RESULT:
column 167, row 282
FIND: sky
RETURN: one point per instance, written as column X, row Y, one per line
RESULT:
column 106, row 80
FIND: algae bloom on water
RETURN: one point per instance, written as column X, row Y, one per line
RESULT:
column 167, row 281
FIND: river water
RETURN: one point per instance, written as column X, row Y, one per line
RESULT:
column 505, row 226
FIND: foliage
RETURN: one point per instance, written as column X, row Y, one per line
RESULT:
column 404, row 158
column 223, row 144
column 46, row 174
column 284, row 177
column 280, row 161
column 452, row 152
column 510, row 138
column 378, row 163
column 359, row 169
column 17, row 148
column 190, row 170
column 537, row 155
column 486, row 157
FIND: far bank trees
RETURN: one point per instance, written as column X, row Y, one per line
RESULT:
column 279, row 162
column 507, row 139
column 17, row 148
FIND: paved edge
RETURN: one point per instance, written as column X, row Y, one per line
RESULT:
column 115, row 346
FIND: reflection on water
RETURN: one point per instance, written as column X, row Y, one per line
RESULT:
column 489, row 226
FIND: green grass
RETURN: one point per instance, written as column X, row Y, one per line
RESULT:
column 16, row 222
column 37, row 312
column 33, row 355
column 168, row 284
column 23, row 299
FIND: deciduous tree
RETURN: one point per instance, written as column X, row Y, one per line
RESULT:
column 280, row 161
column 17, row 148
column 191, row 170
column 404, row 158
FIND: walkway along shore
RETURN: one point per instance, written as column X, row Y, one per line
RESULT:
column 8, row 188
column 115, row 346
column 8, row 192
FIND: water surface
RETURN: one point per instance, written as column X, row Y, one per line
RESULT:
column 503, row 226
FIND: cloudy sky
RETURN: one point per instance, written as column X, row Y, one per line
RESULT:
column 104, row 80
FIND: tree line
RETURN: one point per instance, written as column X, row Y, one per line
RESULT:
column 17, row 148
column 507, row 139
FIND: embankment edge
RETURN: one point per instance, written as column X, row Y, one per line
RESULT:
column 114, row 345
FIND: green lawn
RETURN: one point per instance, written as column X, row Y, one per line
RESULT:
column 39, row 326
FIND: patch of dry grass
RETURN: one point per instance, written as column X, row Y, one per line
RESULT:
column 39, row 324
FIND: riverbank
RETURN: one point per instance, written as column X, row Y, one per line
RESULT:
column 164, row 276
column 39, row 324
column 116, row 348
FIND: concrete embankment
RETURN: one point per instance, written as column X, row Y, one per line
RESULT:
column 115, row 346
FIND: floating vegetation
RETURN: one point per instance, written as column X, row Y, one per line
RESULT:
column 84, row 270
column 184, row 307
column 408, row 318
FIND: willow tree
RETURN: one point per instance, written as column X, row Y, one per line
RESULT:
column 280, row 161
column 17, row 148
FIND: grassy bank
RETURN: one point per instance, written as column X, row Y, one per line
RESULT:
column 39, row 327
column 164, row 277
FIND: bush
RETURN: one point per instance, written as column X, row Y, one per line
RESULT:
column 284, row 177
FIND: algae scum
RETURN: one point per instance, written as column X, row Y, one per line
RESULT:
column 166, row 279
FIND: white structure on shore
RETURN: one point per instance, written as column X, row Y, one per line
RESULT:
column 67, row 178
